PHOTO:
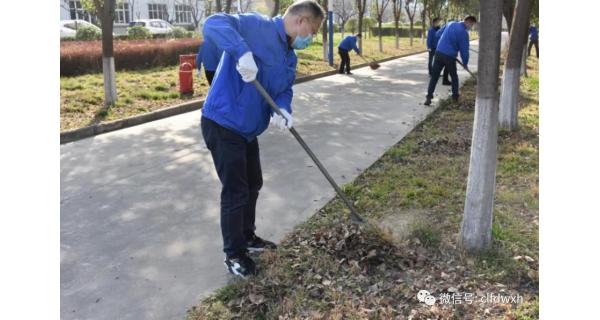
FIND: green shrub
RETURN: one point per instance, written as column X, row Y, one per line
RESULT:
column 192, row 34
column 88, row 33
column 177, row 32
column 138, row 33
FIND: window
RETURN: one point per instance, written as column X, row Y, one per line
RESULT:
column 77, row 12
column 183, row 13
column 122, row 13
column 158, row 11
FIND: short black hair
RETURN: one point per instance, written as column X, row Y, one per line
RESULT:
column 359, row 35
column 470, row 18
column 311, row 7
column 436, row 19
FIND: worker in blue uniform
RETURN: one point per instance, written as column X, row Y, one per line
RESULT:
column 208, row 55
column 347, row 44
column 234, row 114
column 454, row 39
column 431, row 42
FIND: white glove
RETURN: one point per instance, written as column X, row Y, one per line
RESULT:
column 247, row 67
column 282, row 122
column 198, row 73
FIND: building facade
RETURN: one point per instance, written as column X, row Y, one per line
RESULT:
column 178, row 13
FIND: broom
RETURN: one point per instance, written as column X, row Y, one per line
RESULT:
column 373, row 65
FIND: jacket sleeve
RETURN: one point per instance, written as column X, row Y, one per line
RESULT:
column 464, row 47
column 284, row 100
column 355, row 46
column 224, row 31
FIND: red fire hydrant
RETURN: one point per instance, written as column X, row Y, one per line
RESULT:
column 186, row 79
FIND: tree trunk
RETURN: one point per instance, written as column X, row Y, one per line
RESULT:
column 380, row 31
column 219, row 6
column 476, row 228
column 411, row 32
column 324, row 31
column 108, row 60
column 508, row 7
column 227, row 6
column 342, row 29
column 360, row 22
column 509, row 99
column 396, row 23
column 275, row 11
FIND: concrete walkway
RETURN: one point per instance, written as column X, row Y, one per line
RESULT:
column 140, row 235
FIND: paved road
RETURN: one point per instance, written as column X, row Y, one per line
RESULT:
column 140, row 236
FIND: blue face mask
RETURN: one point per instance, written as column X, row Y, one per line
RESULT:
column 302, row 42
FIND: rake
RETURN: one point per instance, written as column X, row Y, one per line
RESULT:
column 353, row 214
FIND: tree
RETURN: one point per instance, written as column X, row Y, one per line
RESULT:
column 423, row 18
column 361, row 6
column 323, row 4
column 246, row 6
column 275, row 11
column 218, row 5
column 343, row 11
column 227, row 6
column 509, row 99
column 476, row 228
column 508, row 7
column 380, row 6
column 434, row 9
column 397, row 10
column 411, row 16
column 196, row 10
column 105, row 11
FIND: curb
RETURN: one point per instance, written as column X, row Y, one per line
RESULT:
column 94, row 130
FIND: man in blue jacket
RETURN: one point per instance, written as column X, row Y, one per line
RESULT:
column 347, row 44
column 431, row 42
column 455, row 39
column 209, row 55
column 234, row 113
column 533, row 40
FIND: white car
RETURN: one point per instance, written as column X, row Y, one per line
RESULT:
column 155, row 26
column 68, row 28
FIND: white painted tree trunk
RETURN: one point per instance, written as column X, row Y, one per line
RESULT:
column 110, row 80
column 509, row 99
column 476, row 228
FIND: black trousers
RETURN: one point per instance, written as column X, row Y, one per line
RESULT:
column 345, row 64
column 209, row 76
column 537, row 49
column 238, row 166
column 440, row 62
column 430, row 66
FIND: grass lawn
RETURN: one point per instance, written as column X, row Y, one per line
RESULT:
column 328, row 269
column 81, row 97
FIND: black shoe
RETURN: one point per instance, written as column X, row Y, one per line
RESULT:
column 240, row 265
column 341, row 72
column 349, row 72
column 455, row 98
column 427, row 102
column 256, row 244
column 446, row 83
